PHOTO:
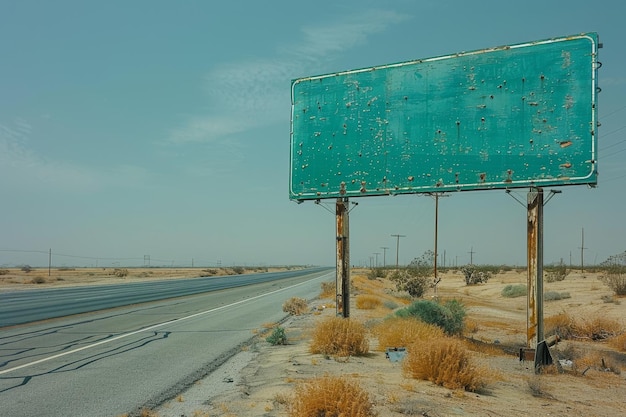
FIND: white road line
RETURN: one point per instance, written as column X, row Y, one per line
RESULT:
column 155, row 326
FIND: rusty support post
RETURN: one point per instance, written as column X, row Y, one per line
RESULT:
column 436, row 236
column 534, row 321
column 343, row 259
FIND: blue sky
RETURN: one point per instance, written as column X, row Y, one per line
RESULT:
column 161, row 128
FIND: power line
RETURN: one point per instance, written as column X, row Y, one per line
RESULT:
column 613, row 112
column 615, row 153
column 614, row 178
column 610, row 133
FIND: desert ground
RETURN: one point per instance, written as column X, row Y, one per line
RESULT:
column 261, row 379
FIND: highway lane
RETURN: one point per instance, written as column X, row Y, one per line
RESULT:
column 117, row 361
column 26, row 306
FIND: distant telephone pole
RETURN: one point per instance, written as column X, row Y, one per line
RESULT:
column 376, row 254
column 384, row 248
column 471, row 252
column 397, row 247
column 582, row 252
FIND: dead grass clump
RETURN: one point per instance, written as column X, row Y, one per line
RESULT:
column 368, row 302
column 38, row 280
column 330, row 396
column 339, row 337
column 619, row 342
column 597, row 328
column 120, row 272
column 445, row 362
column 594, row 328
column 560, row 324
column 328, row 290
column 295, row 306
column 404, row 331
column 596, row 361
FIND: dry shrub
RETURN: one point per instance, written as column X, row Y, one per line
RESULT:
column 404, row 331
column 619, row 342
column 340, row 337
column 594, row 328
column 38, row 280
column 560, row 324
column 328, row 290
column 597, row 328
column 368, row 302
column 446, row 362
column 471, row 326
column 295, row 306
column 120, row 272
column 596, row 361
column 330, row 396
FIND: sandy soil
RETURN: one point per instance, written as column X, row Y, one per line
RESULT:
column 260, row 380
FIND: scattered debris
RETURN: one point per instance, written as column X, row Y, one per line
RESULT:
column 395, row 354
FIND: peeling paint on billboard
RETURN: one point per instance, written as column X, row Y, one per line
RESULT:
column 514, row 116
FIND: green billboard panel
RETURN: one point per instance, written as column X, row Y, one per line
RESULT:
column 515, row 116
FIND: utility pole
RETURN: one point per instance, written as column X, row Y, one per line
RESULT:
column 384, row 248
column 376, row 254
column 397, row 246
column 436, row 195
column 342, row 280
column 471, row 252
column 582, row 253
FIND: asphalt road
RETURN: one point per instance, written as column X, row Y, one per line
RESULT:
column 121, row 360
column 19, row 307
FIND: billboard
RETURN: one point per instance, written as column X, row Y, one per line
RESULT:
column 523, row 115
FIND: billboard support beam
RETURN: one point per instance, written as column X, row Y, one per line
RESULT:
column 342, row 282
column 534, row 310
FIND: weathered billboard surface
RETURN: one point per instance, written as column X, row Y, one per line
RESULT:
column 507, row 117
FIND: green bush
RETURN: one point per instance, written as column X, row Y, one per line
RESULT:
column 278, row 337
column 554, row 295
column 448, row 316
column 512, row 291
